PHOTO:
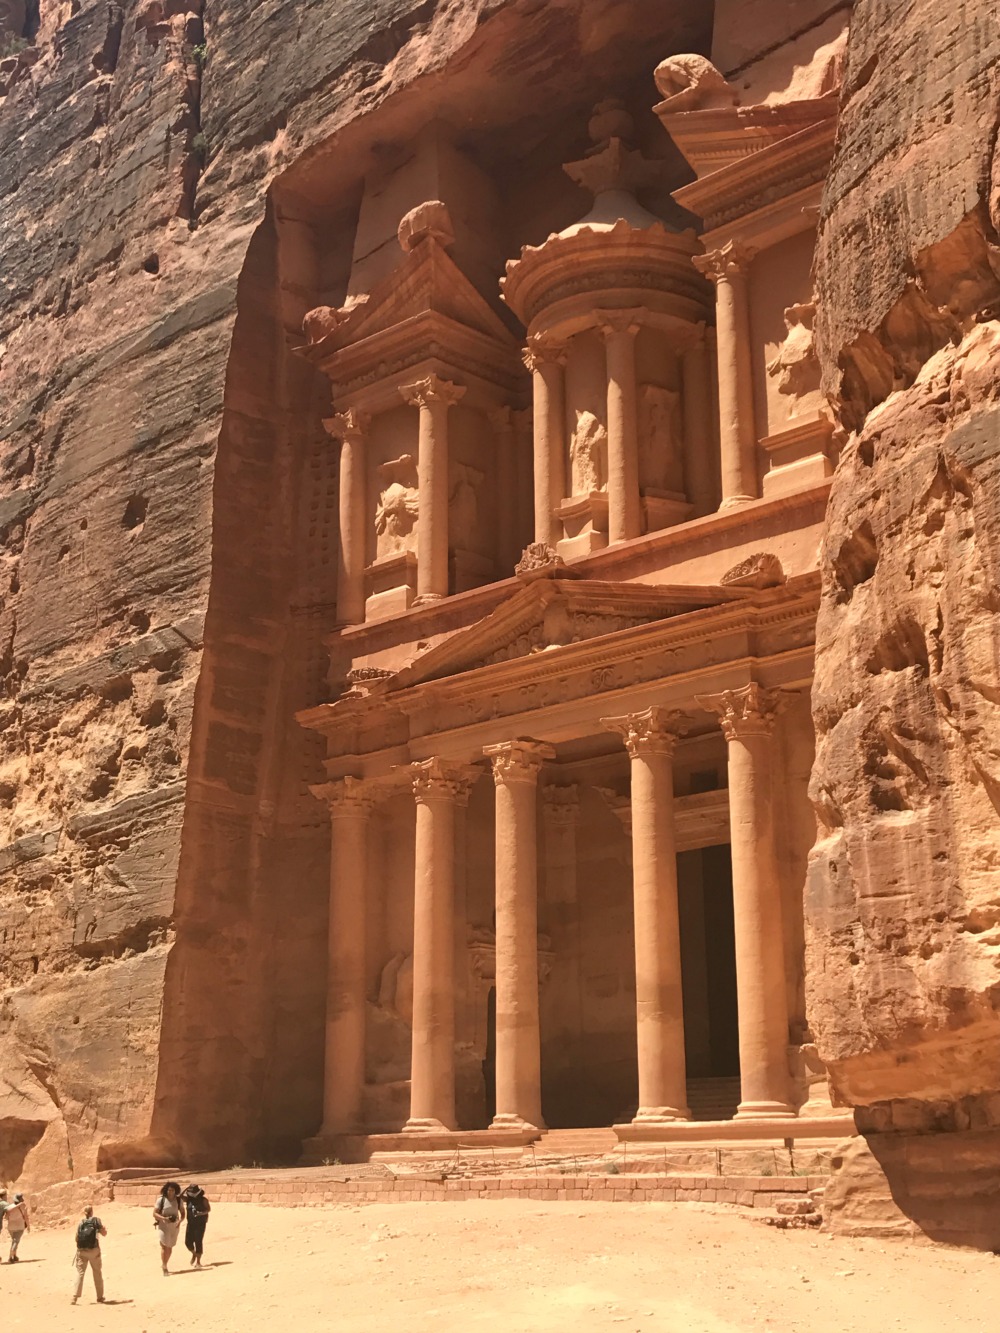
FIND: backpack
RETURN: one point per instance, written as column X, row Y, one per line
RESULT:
column 86, row 1234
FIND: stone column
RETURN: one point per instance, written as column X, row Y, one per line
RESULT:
column 546, row 360
column 433, row 396
column 508, row 546
column 439, row 789
column 561, row 918
column 350, row 429
column 699, row 477
column 351, row 803
column 727, row 268
column 658, row 994
column 624, row 511
column 525, row 450
column 516, row 765
column 748, row 722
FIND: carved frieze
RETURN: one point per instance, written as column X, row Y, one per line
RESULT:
column 760, row 570
column 539, row 557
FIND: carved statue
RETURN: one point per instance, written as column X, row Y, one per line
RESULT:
column 588, row 454
column 326, row 319
column 692, row 83
column 428, row 219
column 661, row 460
column 796, row 366
column 398, row 507
column 463, row 507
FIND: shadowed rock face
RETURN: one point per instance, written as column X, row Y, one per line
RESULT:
column 903, row 897
column 162, row 865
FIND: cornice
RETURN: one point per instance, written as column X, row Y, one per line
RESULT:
column 752, row 182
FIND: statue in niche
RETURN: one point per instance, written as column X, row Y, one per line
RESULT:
column 397, row 510
column 796, row 366
column 588, row 455
column 463, row 507
column 661, row 459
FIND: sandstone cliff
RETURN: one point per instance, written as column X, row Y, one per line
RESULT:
column 903, row 898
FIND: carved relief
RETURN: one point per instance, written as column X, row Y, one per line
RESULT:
column 538, row 556
column 761, row 570
column 588, row 455
column 396, row 515
column 463, row 510
column 692, row 83
column 661, row 465
column 796, row 366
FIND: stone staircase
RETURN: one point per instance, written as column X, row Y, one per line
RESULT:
column 713, row 1098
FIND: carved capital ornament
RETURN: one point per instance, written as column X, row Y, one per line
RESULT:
column 348, row 798
column 437, row 780
column 432, row 391
column 730, row 261
column 744, row 713
column 349, row 427
column 654, row 731
column 517, row 761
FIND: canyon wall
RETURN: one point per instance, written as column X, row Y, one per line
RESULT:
column 903, row 896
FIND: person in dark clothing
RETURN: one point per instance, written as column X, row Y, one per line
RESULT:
column 198, row 1209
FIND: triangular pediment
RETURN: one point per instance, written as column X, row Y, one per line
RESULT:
column 547, row 615
column 427, row 281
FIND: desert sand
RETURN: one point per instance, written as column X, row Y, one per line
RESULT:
column 523, row 1267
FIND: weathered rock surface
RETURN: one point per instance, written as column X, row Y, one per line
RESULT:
column 903, row 898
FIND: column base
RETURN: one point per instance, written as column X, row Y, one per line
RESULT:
column 517, row 1124
column 765, row 1111
column 735, row 502
column 660, row 1115
column 427, row 1125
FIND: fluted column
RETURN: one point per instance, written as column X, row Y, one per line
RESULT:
column 508, row 546
column 351, row 802
column 433, row 396
column 439, row 789
column 727, row 268
column 699, row 474
column 658, row 992
column 350, row 429
column 624, row 511
column 546, row 360
column 516, row 765
column 748, row 724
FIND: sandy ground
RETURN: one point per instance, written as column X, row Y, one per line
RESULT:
column 515, row 1266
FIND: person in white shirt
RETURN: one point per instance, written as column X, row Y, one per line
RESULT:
column 17, row 1224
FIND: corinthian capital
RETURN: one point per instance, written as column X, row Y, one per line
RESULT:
column 437, row 780
column 611, row 322
column 517, row 761
column 348, row 798
column 351, row 425
column 432, row 390
column 542, row 351
column 653, row 731
column 749, row 711
column 731, row 261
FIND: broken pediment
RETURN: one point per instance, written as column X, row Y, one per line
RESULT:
column 554, row 613
column 426, row 282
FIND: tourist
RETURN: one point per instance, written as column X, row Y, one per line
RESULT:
column 88, row 1251
column 198, row 1209
column 168, row 1215
column 17, row 1223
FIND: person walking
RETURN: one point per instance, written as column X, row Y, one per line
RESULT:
column 198, row 1209
column 17, row 1224
column 167, row 1217
column 88, row 1253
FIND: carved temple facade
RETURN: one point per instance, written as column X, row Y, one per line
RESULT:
column 568, row 739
